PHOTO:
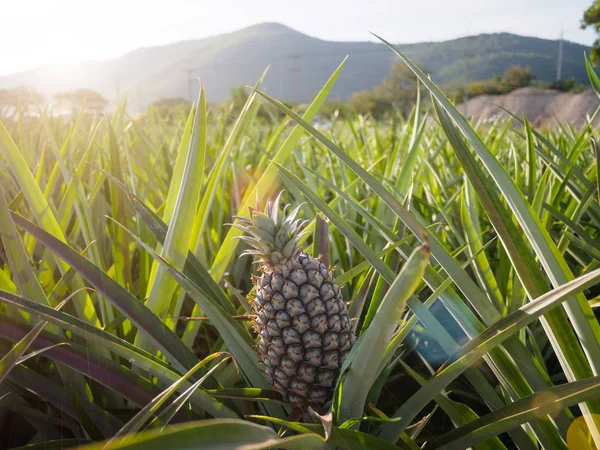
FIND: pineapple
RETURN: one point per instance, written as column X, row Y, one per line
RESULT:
column 305, row 332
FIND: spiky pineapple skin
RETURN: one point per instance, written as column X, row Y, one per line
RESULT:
column 305, row 332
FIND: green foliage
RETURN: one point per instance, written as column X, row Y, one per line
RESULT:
column 396, row 92
column 516, row 77
column 365, row 102
column 24, row 97
column 569, row 85
column 490, row 87
column 469, row 257
column 399, row 90
column 92, row 101
column 332, row 108
column 591, row 18
column 171, row 110
column 239, row 97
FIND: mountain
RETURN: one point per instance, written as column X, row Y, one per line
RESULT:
column 299, row 65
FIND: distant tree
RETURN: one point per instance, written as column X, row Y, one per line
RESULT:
column 488, row 87
column 591, row 18
column 91, row 100
column 365, row 102
column 569, row 85
column 455, row 92
column 5, row 98
column 170, row 102
column 23, row 95
column 330, row 108
column 398, row 90
column 237, row 99
column 517, row 76
column 170, row 109
column 514, row 78
column 239, row 95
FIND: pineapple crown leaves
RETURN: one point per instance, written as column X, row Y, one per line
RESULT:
column 273, row 237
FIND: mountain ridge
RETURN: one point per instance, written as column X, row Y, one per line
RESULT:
column 299, row 64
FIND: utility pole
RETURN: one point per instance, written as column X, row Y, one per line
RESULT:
column 140, row 95
column 295, row 70
column 189, row 72
column 560, row 57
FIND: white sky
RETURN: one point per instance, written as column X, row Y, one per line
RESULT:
column 38, row 32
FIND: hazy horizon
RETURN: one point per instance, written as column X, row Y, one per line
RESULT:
column 69, row 32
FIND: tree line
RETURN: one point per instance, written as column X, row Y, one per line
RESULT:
column 397, row 92
column 28, row 99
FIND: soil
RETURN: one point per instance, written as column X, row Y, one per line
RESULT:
column 541, row 107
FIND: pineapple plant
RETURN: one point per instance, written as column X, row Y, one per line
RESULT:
column 301, row 317
column 455, row 315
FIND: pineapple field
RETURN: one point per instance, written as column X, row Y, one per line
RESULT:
column 232, row 279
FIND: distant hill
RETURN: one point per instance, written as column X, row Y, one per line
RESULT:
column 300, row 64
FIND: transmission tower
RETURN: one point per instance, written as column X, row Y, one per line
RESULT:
column 190, row 85
column 140, row 96
column 560, row 58
column 295, row 70
column 468, row 55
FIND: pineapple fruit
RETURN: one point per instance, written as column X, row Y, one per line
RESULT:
column 301, row 318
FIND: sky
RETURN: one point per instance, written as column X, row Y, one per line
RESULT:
column 40, row 32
